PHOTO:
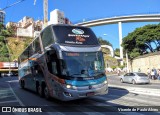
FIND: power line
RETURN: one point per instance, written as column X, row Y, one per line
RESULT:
column 13, row 4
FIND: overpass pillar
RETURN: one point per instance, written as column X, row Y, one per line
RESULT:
column 120, row 41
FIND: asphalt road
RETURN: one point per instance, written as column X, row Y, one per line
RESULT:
column 12, row 95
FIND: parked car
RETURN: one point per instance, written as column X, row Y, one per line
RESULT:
column 135, row 78
column 9, row 74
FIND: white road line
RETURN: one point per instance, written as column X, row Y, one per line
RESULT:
column 20, row 102
column 13, row 101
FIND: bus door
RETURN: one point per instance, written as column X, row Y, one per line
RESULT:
column 53, row 68
column 37, row 75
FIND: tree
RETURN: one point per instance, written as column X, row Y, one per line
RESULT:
column 104, row 42
column 142, row 40
column 7, row 32
column 1, row 28
column 117, row 52
column 3, row 50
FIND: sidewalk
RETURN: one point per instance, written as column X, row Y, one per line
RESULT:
column 138, row 90
column 155, row 81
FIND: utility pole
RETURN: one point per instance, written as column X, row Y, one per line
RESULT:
column 45, row 12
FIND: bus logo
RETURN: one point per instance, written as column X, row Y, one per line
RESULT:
column 78, row 31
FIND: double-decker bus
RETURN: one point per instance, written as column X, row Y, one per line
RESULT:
column 64, row 62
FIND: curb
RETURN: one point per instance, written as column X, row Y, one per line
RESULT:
column 145, row 91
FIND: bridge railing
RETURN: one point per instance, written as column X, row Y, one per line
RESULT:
column 110, row 16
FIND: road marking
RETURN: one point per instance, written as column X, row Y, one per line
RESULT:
column 8, row 101
column 105, row 104
column 20, row 102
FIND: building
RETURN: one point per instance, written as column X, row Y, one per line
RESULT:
column 58, row 17
column 2, row 17
column 26, row 27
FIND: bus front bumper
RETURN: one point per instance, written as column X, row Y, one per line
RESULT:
column 70, row 94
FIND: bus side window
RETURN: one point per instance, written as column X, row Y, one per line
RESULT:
column 37, row 45
column 54, row 68
column 47, row 37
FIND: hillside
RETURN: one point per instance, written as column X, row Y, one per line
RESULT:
column 17, row 45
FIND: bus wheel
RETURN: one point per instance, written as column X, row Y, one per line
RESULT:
column 133, row 82
column 40, row 91
column 46, row 93
column 22, row 84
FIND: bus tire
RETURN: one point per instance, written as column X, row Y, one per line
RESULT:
column 46, row 93
column 22, row 84
column 40, row 91
column 37, row 85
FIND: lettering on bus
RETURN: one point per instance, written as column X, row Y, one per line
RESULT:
column 75, row 35
column 72, row 54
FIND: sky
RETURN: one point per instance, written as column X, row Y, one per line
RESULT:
column 78, row 10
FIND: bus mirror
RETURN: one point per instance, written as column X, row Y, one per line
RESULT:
column 63, row 64
column 97, row 65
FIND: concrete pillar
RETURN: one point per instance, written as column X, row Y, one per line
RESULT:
column 120, row 41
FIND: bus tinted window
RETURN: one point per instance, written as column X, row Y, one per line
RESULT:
column 75, row 35
column 47, row 37
column 37, row 45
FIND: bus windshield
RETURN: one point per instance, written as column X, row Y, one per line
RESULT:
column 83, row 64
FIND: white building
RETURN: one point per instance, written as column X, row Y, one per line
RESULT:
column 26, row 27
column 56, row 17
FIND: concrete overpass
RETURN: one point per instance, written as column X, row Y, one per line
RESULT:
column 120, row 20
column 123, row 19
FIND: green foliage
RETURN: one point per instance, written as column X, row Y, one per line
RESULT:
column 116, row 52
column 27, row 41
column 6, row 32
column 142, row 40
column 12, row 31
column 17, row 45
column 121, row 66
column 3, row 50
column 104, row 42
column 113, row 67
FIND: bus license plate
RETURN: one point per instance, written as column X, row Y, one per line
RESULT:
column 90, row 94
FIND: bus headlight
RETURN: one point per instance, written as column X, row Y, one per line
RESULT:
column 105, row 82
column 68, row 86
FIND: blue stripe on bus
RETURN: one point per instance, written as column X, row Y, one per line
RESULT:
column 86, row 82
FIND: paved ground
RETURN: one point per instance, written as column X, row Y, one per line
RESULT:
column 13, row 95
